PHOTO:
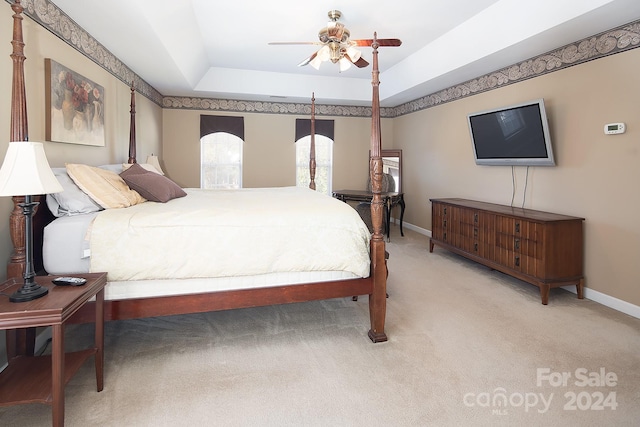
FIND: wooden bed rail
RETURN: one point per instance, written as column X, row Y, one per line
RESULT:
column 224, row 300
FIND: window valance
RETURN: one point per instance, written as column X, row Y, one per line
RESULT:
column 229, row 124
column 322, row 127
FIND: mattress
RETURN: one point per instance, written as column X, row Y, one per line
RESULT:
column 65, row 247
column 121, row 290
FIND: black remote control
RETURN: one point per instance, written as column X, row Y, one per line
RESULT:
column 69, row 281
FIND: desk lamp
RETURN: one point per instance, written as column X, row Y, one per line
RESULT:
column 26, row 172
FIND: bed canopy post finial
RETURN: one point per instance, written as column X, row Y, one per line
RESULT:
column 377, row 300
column 132, row 126
column 312, row 145
column 18, row 132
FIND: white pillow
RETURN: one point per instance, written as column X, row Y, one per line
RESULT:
column 72, row 200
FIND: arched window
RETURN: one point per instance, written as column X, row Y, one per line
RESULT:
column 221, row 140
column 324, row 163
column 323, row 130
column 220, row 161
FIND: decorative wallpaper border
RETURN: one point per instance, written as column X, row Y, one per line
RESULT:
column 614, row 41
column 618, row 40
column 212, row 104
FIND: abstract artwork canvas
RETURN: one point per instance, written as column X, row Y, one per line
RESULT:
column 75, row 107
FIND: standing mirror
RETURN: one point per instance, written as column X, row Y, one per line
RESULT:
column 392, row 164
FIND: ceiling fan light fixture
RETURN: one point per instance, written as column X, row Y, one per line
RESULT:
column 344, row 64
column 338, row 47
column 354, row 54
column 323, row 54
column 315, row 63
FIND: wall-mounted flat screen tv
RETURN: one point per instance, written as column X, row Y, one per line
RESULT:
column 517, row 135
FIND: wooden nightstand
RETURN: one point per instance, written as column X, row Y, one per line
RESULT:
column 31, row 379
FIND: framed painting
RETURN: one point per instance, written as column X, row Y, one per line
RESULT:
column 75, row 107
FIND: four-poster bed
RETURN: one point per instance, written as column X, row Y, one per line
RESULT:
column 372, row 282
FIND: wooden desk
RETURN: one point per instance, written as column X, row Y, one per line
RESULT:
column 389, row 199
column 41, row 379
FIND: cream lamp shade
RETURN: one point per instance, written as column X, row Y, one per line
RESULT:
column 153, row 161
column 26, row 171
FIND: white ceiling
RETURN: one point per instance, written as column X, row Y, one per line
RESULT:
column 218, row 49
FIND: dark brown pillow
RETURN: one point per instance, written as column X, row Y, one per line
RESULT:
column 150, row 185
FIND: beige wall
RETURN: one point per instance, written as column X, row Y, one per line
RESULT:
column 269, row 149
column 41, row 44
column 596, row 176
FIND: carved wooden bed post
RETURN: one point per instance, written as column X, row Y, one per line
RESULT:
column 312, row 145
column 132, row 127
column 18, row 342
column 377, row 300
column 18, row 132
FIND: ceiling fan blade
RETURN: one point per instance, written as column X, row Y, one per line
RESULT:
column 381, row 42
column 361, row 63
column 309, row 59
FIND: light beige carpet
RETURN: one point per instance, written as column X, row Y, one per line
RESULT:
column 467, row 347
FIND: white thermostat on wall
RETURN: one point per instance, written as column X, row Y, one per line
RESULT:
column 614, row 128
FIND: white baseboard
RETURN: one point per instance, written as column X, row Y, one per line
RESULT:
column 412, row 227
column 609, row 301
column 593, row 295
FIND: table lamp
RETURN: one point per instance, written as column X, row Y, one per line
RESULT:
column 26, row 172
column 154, row 161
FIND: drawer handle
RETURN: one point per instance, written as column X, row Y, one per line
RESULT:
column 475, row 247
column 475, row 232
column 517, row 227
column 444, row 236
column 517, row 261
column 444, row 223
column 517, row 244
column 444, row 210
column 475, row 218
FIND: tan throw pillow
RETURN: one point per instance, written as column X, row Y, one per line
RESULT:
column 150, row 185
column 105, row 187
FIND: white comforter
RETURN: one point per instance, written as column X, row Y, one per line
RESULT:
column 220, row 233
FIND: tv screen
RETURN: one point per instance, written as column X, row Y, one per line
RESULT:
column 517, row 135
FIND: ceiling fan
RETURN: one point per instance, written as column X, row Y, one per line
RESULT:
column 337, row 46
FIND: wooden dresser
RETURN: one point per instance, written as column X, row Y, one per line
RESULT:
column 541, row 248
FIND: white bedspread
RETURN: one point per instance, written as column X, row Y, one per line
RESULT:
column 223, row 233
